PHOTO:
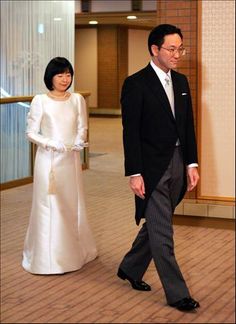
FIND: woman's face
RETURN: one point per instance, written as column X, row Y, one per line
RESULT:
column 61, row 81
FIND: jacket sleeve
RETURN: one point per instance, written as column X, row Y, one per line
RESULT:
column 191, row 145
column 131, row 107
column 34, row 119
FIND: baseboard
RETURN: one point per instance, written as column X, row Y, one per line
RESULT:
column 210, row 209
column 211, row 222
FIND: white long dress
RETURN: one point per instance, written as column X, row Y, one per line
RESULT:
column 58, row 237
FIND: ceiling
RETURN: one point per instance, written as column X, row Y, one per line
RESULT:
column 144, row 19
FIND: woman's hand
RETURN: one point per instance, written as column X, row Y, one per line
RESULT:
column 55, row 146
column 79, row 146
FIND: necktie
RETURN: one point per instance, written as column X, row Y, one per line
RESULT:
column 170, row 93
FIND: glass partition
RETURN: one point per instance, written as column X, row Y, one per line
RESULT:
column 15, row 148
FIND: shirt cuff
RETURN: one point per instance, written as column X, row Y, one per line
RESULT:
column 193, row 165
column 136, row 175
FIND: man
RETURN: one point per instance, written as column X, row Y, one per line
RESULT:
column 161, row 160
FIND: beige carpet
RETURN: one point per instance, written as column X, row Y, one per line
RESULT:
column 94, row 294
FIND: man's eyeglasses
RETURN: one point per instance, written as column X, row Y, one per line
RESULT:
column 181, row 51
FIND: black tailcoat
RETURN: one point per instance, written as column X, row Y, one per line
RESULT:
column 150, row 130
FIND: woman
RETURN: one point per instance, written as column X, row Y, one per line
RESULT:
column 58, row 238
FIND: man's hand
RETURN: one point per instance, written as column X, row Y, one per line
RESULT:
column 193, row 177
column 137, row 185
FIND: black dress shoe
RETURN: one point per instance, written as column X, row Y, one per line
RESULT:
column 186, row 304
column 138, row 285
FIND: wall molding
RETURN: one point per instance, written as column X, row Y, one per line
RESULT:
column 212, row 209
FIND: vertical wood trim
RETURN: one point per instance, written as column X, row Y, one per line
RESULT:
column 199, row 89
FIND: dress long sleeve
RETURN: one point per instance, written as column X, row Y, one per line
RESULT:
column 34, row 119
column 82, row 121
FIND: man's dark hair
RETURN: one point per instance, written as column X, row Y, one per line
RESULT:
column 56, row 66
column 157, row 35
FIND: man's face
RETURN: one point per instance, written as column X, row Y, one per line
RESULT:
column 168, row 56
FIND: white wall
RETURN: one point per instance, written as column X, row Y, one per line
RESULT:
column 111, row 5
column 217, row 150
column 138, row 54
column 149, row 5
column 116, row 5
column 86, row 62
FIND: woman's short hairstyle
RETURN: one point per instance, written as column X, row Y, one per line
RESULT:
column 157, row 35
column 56, row 66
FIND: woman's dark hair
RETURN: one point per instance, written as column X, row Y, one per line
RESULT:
column 157, row 35
column 56, row 66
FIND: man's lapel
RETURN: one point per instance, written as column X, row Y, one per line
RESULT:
column 156, row 87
